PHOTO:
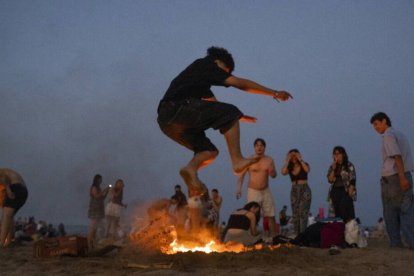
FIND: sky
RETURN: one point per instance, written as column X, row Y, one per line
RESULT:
column 80, row 82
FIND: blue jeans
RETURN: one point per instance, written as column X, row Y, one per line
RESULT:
column 398, row 208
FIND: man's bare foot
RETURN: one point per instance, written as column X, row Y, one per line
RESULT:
column 196, row 191
column 244, row 164
column 190, row 178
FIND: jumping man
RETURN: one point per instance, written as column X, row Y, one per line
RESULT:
column 189, row 108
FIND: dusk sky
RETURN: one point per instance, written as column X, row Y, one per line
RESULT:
column 80, row 82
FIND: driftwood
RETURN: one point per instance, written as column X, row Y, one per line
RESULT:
column 104, row 250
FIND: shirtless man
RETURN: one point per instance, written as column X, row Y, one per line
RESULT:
column 258, row 187
column 189, row 108
column 15, row 195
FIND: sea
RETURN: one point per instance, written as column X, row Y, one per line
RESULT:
column 81, row 230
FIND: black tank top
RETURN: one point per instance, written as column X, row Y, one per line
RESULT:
column 302, row 175
column 238, row 221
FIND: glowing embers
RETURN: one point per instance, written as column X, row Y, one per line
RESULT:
column 212, row 246
column 177, row 247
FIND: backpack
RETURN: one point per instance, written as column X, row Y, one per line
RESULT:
column 332, row 233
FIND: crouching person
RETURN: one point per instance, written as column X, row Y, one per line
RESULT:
column 242, row 225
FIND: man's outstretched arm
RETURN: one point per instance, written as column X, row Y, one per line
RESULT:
column 255, row 88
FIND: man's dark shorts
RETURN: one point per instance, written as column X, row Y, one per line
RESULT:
column 186, row 121
column 20, row 197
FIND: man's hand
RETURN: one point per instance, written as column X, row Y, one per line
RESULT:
column 248, row 119
column 282, row 95
column 404, row 183
column 238, row 195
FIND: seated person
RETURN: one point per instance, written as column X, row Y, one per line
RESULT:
column 241, row 226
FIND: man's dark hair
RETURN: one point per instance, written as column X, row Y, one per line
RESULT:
column 379, row 116
column 215, row 190
column 178, row 186
column 259, row 140
column 223, row 55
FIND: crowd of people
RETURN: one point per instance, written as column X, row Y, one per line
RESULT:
column 27, row 229
column 185, row 112
column 189, row 96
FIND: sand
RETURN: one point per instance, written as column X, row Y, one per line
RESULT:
column 376, row 259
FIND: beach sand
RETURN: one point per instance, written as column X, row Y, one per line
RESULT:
column 376, row 259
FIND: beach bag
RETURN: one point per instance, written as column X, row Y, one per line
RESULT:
column 352, row 230
column 332, row 233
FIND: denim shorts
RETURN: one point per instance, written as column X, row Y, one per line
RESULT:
column 186, row 121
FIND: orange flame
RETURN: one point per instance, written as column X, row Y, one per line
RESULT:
column 159, row 238
column 176, row 247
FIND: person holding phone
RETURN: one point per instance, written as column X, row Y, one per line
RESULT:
column 96, row 211
column 342, row 177
column 114, row 208
column 300, row 194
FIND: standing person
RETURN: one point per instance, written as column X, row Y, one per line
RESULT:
column 96, row 210
column 217, row 200
column 14, row 198
column 181, row 209
column 258, row 188
column 396, row 181
column 114, row 208
column 189, row 108
column 342, row 177
column 180, row 196
column 300, row 195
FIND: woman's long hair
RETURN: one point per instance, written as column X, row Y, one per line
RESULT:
column 97, row 180
column 342, row 151
column 251, row 204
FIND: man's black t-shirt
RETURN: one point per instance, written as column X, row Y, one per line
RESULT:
column 195, row 81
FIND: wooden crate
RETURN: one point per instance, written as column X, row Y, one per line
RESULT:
column 70, row 245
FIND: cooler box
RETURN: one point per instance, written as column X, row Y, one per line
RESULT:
column 70, row 245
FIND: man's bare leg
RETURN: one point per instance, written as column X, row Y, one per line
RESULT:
column 189, row 172
column 272, row 226
column 232, row 137
column 6, row 226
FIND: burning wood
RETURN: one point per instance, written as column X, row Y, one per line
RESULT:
column 160, row 233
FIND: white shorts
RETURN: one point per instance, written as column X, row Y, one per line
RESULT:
column 264, row 198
